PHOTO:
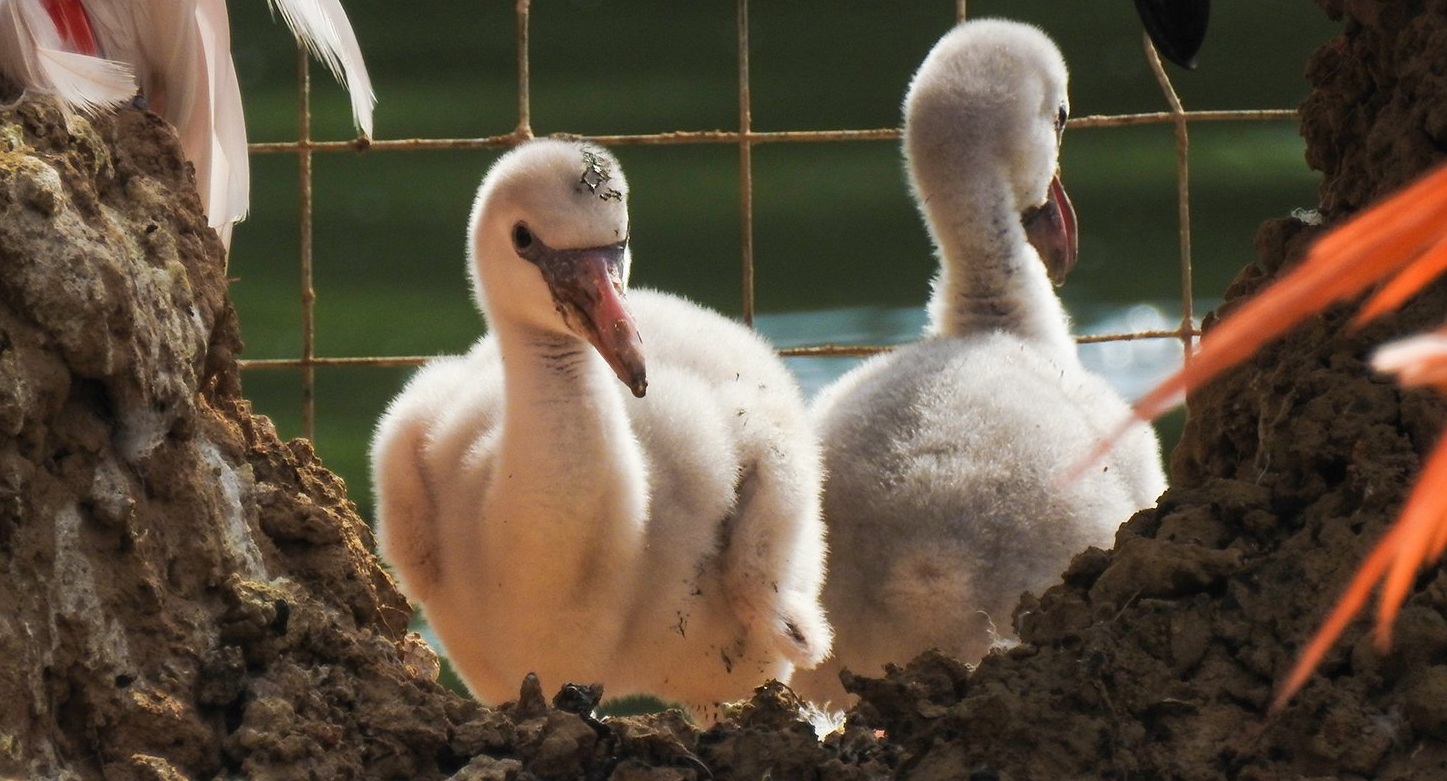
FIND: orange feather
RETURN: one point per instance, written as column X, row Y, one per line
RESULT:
column 1417, row 537
column 1428, row 266
column 1401, row 242
column 1365, row 250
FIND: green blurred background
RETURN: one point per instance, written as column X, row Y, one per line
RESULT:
column 836, row 235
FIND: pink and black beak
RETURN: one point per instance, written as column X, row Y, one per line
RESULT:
column 587, row 289
column 1050, row 227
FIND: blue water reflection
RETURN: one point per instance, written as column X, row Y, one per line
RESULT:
column 1132, row 367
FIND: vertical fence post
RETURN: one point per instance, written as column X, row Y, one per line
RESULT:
column 524, row 129
column 308, row 291
column 746, row 166
column 1183, row 193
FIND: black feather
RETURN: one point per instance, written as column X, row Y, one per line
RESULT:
column 1176, row 27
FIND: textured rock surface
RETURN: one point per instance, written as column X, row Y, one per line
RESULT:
column 188, row 597
column 185, row 595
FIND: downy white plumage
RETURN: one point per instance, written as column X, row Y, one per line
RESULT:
column 942, row 458
column 96, row 54
column 548, row 521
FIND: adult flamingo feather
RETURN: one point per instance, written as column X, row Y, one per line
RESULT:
column 176, row 54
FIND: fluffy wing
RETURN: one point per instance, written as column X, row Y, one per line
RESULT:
column 445, row 410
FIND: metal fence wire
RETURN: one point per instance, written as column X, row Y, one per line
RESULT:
column 304, row 148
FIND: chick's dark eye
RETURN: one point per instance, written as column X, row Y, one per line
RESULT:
column 522, row 238
column 1060, row 118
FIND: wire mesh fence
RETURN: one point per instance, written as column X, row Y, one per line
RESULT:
column 745, row 139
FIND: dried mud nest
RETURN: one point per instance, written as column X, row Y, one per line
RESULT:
column 187, row 596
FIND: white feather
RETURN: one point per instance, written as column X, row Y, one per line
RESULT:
column 322, row 25
column 31, row 53
column 179, row 54
column 229, row 187
column 90, row 84
column 181, row 51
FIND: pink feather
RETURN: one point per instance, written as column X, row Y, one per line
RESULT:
column 178, row 52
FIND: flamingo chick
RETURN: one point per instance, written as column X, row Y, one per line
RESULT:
column 548, row 521
column 942, row 457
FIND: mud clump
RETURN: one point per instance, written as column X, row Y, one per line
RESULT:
column 189, row 597
column 186, row 596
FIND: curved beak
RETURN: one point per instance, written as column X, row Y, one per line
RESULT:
column 587, row 288
column 1050, row 228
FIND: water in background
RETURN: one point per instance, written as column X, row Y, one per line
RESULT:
column 1131, row 367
